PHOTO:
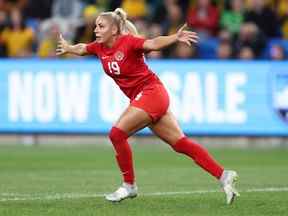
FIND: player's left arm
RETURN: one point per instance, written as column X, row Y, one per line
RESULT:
column 161, row 42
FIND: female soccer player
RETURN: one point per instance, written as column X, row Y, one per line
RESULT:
column 122, row 56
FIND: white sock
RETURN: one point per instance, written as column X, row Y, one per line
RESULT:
column 223, row 177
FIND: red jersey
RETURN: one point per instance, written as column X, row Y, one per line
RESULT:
column 125, row 64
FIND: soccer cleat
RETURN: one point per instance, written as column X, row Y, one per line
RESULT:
column 123, row 192
column 228, row 180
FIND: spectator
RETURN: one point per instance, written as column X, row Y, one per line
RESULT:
column 225, row 36
column 263, row 17
column 282, row 8
column 160, row 10
column 232, row 19
column 69, row 9
column 173, row 21
column 203, row 18
column 246, row 53
column 85, row 32
column 250, row 36
column 66, row 13
column 48, row 45
column 3, row 6
column 282, row 12
column 9, row 5
column 224, row 50
column 17, row 31
column 284, row 28
column 135, row 9
column 277, row 52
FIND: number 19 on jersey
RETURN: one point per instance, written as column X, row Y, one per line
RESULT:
column 114, row 67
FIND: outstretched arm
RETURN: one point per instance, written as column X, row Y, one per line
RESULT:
column 161, row 42
column 64, row 47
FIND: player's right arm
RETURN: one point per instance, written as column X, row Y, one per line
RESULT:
column 64, row 47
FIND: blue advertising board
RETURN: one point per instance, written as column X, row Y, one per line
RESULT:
column 207, row 97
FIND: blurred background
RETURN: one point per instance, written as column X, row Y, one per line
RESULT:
column 233, row 82
column 229, row 29
column 229, row 92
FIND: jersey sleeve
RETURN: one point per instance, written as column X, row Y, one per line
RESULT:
column 137, row 42
column 92, row 48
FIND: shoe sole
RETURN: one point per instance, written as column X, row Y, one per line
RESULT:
column 118, row 201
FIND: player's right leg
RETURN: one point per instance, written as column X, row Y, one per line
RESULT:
column 130, row 121
column 149, row 105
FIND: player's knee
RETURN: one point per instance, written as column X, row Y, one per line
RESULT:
column 174, row 138
column 116, row 135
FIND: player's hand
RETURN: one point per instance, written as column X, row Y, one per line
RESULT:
column 62, row 46
column 187, row 37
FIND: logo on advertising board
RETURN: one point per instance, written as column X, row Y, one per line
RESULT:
column 280, row 94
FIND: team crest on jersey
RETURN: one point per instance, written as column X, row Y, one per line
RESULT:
column 119, row 56
column 280, row 93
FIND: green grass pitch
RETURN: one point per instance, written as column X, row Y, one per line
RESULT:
column 71, row 180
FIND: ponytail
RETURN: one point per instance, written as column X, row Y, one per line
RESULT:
column 131, row 28
column 126, row 25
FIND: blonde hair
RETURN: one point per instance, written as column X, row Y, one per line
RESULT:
column 119, row 18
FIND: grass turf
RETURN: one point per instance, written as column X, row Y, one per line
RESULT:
column 69, row 180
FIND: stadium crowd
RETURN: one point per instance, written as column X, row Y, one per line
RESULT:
column 228, row 29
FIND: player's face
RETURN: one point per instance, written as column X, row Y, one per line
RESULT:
column 103, row 30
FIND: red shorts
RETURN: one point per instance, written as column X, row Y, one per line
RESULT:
column 153, row 99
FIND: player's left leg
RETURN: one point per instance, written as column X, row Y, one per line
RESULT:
column 169, row 131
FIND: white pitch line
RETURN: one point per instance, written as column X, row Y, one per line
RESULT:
column 58, row 196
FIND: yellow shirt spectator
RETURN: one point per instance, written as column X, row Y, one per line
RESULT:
column 282, row 8
column 18, row 42
column 135, row 9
